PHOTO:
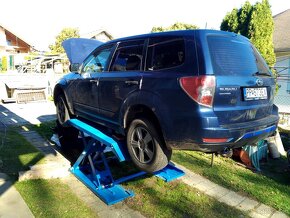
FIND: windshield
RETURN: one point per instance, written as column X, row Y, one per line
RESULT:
column 231, row 56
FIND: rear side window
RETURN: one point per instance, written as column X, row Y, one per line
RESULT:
column 231, row 56
column 128, row 56
column 165, row 53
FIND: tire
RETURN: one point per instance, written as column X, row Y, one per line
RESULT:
column 146, row 147
column 61, row 110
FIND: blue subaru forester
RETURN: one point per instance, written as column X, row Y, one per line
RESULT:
column 201, row 90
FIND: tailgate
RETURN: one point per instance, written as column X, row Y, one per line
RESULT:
column 244, row 84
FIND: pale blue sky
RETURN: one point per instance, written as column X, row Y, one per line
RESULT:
column 39, row 22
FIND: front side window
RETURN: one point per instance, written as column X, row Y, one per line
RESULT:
column 98, row 61
column 128, row 56
column 165, row 53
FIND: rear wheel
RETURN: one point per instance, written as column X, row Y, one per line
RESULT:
column 146, row 147
column 61, row 110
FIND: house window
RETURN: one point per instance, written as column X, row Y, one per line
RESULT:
column 9, row 42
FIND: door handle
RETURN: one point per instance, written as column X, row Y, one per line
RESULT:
column 94, row 81
column 131, row 82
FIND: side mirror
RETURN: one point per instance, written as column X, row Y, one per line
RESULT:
column 74, row 67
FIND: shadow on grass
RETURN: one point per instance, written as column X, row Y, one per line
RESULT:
column 16, row 153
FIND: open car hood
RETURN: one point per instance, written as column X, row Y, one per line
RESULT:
column 77, row 49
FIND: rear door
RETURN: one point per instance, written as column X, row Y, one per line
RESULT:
column 244, row 84
column 123, row 79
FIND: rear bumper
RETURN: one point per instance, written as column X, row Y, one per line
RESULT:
column 237, row 135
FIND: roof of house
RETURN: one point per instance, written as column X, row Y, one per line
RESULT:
column 17, row 35
column 281, row 36
column 95, row 33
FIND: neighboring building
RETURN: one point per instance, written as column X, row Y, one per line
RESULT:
column 12, row 48
column 281, row 38
column 101, row 35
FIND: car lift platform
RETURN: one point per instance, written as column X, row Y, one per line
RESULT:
column 92, row 167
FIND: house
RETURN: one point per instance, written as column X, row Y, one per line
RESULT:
column 101, row 35
column 12, row 48
column 281, row 38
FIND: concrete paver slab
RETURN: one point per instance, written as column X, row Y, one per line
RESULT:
column 205, row 186
column 232, row 198
column 217, row 192
column 248, row 204
column 279, row 214
column 11, row 202
column 264, row 210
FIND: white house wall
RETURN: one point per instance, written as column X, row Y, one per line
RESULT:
column 282, row 99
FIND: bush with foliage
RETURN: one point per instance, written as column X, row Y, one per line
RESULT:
column 256, row 23
column 176, row 26
column 66, row 33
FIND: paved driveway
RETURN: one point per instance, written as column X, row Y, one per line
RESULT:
column 34, row 113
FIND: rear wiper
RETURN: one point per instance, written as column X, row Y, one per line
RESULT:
column 261, row 74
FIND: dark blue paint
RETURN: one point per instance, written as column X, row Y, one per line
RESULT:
column 183, row 122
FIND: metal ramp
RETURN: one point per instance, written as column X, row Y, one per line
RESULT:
column 93, row 170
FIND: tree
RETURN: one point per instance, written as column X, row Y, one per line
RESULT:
column 231, row 22
column 261, row 28
column 175, row 26
column 256, row 23
column 66, row 33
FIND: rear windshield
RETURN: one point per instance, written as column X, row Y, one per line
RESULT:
column 231, row 56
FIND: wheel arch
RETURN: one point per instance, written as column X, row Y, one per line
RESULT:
column 58, row 90
column 139, row 111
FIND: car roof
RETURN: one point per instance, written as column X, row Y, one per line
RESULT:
column 173, row 33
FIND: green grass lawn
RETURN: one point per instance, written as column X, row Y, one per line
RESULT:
column 52, row 198
column 270, row 187
column 17, row 154
column 155, row 198
column 45, row 198
column 44, row 129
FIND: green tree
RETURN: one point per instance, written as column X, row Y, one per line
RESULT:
column 175, row 26
column 256, row 23
column 231, row 22
column 261, row 28
column 244, row 16
column 66, row 33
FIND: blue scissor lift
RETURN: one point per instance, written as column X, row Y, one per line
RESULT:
column 93, row 170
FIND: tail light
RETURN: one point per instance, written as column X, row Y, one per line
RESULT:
column 200, row 88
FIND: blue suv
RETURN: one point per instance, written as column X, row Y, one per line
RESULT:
column 202, row 90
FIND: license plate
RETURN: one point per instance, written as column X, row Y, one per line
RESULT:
column 255, row 93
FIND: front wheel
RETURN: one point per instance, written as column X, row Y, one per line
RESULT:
column 146, row 147
column 61, row 110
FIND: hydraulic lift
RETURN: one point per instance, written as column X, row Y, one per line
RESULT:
column 92, row 166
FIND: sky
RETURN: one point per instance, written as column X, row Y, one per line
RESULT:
column 39, row 22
